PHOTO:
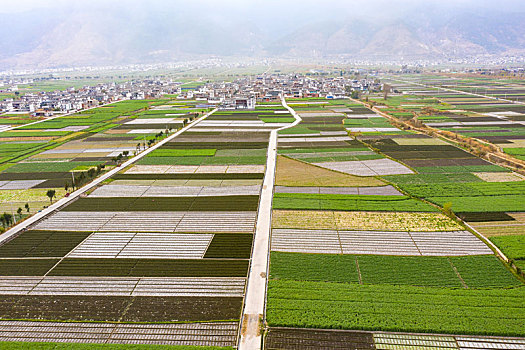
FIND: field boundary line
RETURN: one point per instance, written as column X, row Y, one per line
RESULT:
column 254, row 309
column 66, row 200
column 457, row 273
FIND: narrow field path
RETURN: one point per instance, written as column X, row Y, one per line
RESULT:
column 58, row 204
column 255, row 299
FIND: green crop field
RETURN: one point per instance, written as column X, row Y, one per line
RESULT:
column 304, row 201
column 182, row 152
column 480, row 271
column 395, row 308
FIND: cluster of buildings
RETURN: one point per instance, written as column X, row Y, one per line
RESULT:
column 244, row 92
column 46, row 103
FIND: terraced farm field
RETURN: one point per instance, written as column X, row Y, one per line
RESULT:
column 345, row 257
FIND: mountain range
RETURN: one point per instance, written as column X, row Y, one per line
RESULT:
column 50, row 38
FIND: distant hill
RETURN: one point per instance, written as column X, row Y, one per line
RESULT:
column 95, row 37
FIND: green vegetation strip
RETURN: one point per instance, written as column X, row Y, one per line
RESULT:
column 151, row 267
column 181, row 152
column 396, row 308
column 348, row 202
column 484, row 271
column 217, row 203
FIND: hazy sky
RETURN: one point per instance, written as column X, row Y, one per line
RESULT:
column 10, row 6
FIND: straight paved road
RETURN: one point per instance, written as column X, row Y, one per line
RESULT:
column 255, row 299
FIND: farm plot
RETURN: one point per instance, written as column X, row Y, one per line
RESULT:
column 396, row 308
column 112, row 190
column 145, row 221
column 361, row 220
column 364, row 191
column 195, row 169
column 312, row 201
column 448, row 243
column 291, row 172
column 393, row 270
column 142, row 245
column 372, row 167
column 115, row 308
column 107, row 286
column 187, row 336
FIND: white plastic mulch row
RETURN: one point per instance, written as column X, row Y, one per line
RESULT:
column 197, row 169
column 450, row 243
column 19, row 184
column 371, row 167
column 237, row 124
column 372, row 129
column 364, row 191
column 218, row 334
column 89, row 150
column 143, row 245
column 239, row 129
column 173, row 191
column 188, row 221
column 287, row 139
column 320, row 133
column 394, row 341
column 153, row 121
column 329, row 154
column 127, row 286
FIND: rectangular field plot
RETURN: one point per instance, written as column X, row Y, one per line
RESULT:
column 314, row 201
column 206, row 222
column 127, row 267
column 305, row 241
column 165, row 204
column 26, row 267
column 34, row 243
column 190, row 169
column 119, row 308
column 378, row 191
column 201, row 287
column 295, row 339
column 386, row 341
column 143, row 245
column 421, row 271
column 367, row 167
column 112, row 190
column 395, row 308
column 360, row 220
column 19, row 184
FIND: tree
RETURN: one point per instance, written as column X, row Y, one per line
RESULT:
column 125, row 153
column 66, row 186
column 51, row 194
column 19, row 212
column 7, row 218
column 91, row 172
column 27, row 207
